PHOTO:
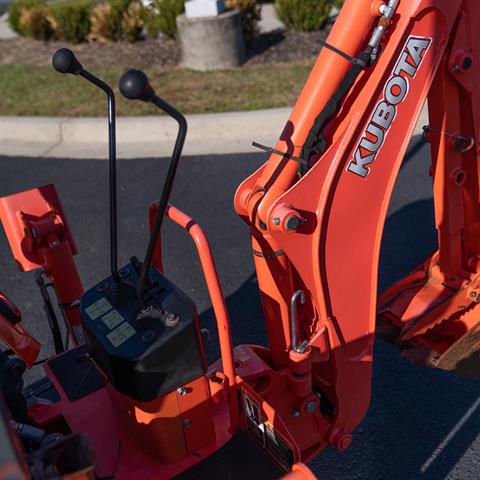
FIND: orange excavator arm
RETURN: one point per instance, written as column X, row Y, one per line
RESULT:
column 317, row 208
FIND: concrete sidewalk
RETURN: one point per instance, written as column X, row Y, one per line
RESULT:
column 140, row 137
column 5, row 30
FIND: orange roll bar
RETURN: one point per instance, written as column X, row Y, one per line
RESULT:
column 213, row 284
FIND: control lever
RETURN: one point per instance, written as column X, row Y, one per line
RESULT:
column 134, row 85
column 64, row 61
column 50, row 312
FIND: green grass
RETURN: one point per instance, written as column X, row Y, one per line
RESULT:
column 40, row 91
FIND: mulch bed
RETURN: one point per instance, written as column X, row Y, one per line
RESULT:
column 159, row 53
column 285, row 47
column 275, row 47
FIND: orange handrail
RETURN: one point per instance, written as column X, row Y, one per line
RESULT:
column 213, row 285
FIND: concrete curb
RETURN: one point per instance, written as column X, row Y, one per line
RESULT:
column 140, row 137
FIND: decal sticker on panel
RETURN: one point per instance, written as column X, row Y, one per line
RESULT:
column 395, row 92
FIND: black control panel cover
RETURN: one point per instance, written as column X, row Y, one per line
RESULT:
column 144, row 356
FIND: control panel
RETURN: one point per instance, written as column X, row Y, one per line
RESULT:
column 144, row 352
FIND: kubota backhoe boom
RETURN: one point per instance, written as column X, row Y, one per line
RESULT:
column 320, row 232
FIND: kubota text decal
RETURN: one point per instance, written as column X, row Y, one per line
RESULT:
column 396, row 91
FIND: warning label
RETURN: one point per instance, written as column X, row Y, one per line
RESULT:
column 253, row 413
column 266, row 435
column 278, row 447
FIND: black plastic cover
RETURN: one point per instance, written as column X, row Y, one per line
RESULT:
column 76, row 373
column 144, row 355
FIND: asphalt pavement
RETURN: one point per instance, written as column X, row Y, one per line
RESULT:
column 422, row 424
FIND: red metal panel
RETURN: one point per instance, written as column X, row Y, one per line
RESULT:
column 31, row 205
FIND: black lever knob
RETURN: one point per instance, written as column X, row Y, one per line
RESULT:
column 65, row 61
column 134, row 85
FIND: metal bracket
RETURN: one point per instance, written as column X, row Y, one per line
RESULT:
column 462, row 143
column 293, row 306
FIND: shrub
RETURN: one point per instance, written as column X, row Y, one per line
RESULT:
column 118, row 9
column 303, row 15
column 134, row 19
column 106, row 22
column 118, row 20
column 15, row 12
column 34, row 23
column 250, row 13
column 152, row 23
column 164, row 16
column 103, row 26
column 71, row 21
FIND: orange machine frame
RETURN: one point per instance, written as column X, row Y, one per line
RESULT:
column 340, row 205
column 316, row 242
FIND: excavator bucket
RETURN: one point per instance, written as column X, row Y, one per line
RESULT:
column 434, row 325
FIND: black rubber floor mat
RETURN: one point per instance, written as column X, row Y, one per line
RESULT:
column 76, row 373
column 239, row 459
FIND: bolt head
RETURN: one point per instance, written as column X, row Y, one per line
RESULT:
column 16, row 367
column 344, row 442
column 292, row 223
column 149, row 336
column 341, row 439
column 311, row 406
column 172, row 320
column 182, row 391
column 467, row 62
column 295, row 413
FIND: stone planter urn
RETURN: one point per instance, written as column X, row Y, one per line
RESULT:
column 211, row 42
